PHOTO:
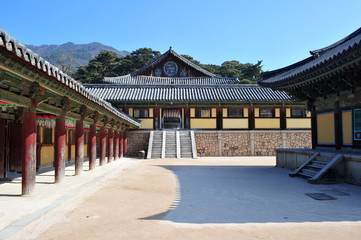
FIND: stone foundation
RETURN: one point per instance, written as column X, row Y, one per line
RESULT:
column 249, row 143
column 137, row 140
column 232, row 143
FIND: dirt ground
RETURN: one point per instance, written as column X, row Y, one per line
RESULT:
column 131, row 203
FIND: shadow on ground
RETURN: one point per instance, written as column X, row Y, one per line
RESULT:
column 255, row 194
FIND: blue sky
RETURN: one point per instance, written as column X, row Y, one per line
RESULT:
column 277, row 32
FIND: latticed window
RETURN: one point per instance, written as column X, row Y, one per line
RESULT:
column 141, row 113
column 357, row 124
column 47, row 135
column 266, row 112
column 298, row 113
column 203, row 112
column 235, row 112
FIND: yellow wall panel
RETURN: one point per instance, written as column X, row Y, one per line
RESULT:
column 288, row 112
column 277, row 112
column 325, row 128
column 300, row 123
column 225, row 112
column 192, row 112
column 73, row 151
column 256, row 112
column 203, row 123
column 130, row 112
column 267, row 123
column 47, row 154
column 147, row 123
column 245, row 112
column 151, row 112
column 41, row 134
column 66, row 152
column 347, row 127
column 214, row 112
column 85, row 150
column 235, row 123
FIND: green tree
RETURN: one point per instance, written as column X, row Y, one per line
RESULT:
column 136, row 60
column 103, row 65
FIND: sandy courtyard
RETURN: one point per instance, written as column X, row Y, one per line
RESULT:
column 208, row 198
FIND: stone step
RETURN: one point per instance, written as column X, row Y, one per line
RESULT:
column 305, row 175
column 309, row 172
column 323, row 158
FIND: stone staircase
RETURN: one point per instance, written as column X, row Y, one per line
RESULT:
column 317, row 166
column 171, row 144
column 157, row 144
column 185, row 144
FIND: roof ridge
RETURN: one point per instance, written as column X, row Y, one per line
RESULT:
column 171, row 51
column 321, row 51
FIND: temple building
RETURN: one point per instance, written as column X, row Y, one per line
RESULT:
column 330, row 82
column 47, row 118
column 227, row 118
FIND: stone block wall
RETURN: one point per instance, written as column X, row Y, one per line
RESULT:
column 297, row 140
column 250, row 143
column 137, row 140
column 235, row 144
column 232, row 143
column 207, row 142
column 266, row 142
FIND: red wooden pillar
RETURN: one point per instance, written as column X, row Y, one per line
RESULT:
column 121, row 144
column 92, row 146
column 3, row 151
column 124, row 143
column 110, row 145
column 116, row 145
column 102, row 146
column 79, row 147
column 28, row 155
column 60, row 141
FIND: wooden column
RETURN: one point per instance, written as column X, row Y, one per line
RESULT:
column 102, row 146
column 116, row 145
column 3, row 140
column 28, row 155
column 156, row 119
column 110, row 145
column 251, row 118
column 60, row 141
column 124, row 143
column 187, row 118
column 38, row 148
column 92, row 146
column 79, row 147
column 338, row 126
column 314, row 127
column 219, row 118
column 121, row 144
column 283, row 118
column 70, row 140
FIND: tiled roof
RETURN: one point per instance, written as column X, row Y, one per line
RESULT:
column 178, row 93
column 321, row 57
column 12, row 45
column 176, row 55
column 151, row 80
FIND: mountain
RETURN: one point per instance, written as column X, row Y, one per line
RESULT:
column 73, row 55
